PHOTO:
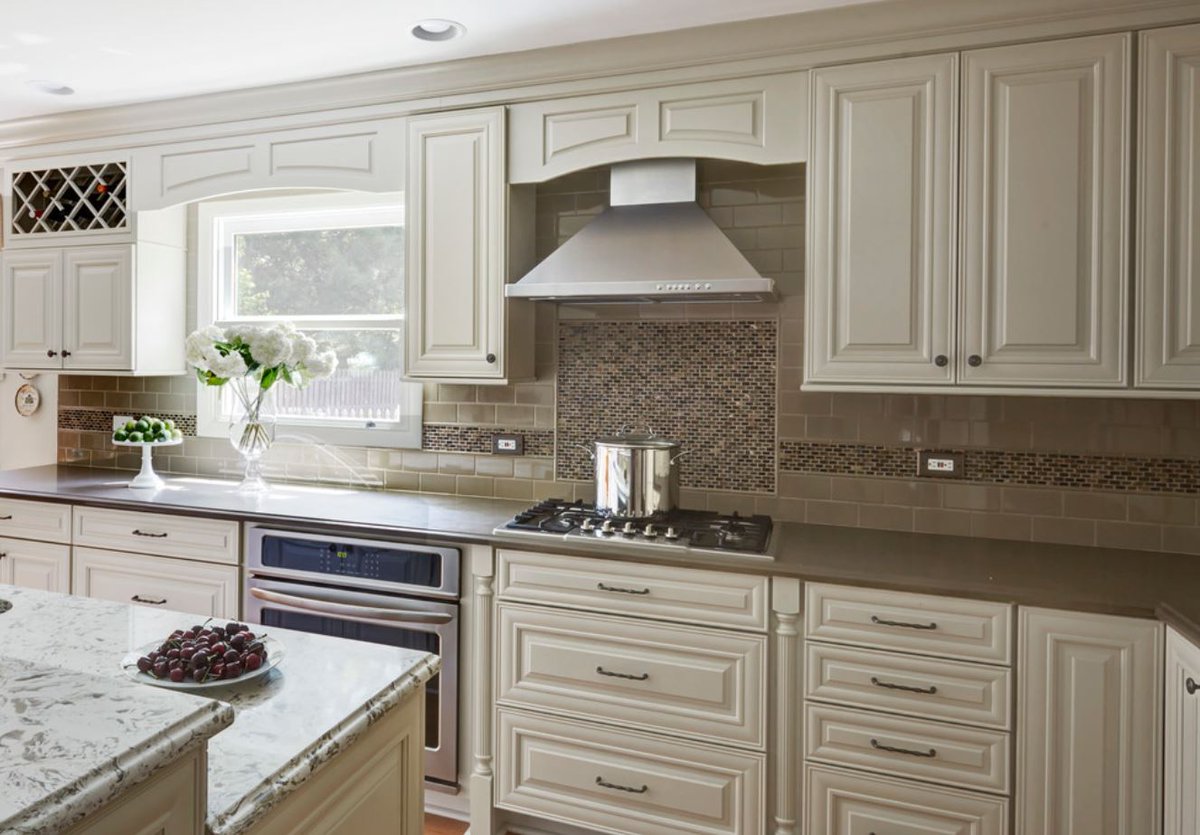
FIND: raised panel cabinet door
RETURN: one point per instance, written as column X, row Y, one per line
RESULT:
column 456, row 245
column 1045, row 213
column 881, row 272
column 36, row 565
column 32, row 309
column 98, row 308
column 1168, row 209
column 1181, row 776
column 1089, row 724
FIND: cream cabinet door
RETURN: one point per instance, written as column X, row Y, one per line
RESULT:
column 35, row 565
column 1168, row 206
column 881, row 273
column 456, row 245
column 32, row 309
column 98, row 308
column 1181, row 777
column 1045, row 218
column 163, row 582
column 1089, row 725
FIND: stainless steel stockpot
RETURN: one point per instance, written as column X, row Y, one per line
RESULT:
column 637, row 474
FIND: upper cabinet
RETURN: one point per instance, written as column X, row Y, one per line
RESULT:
column 1168, row 209
column 880, row 231
column 65, row 203
column 760, row 120
column 458, row 215
column 1045, row 195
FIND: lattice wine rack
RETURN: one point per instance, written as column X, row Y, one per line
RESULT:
column 85, row 198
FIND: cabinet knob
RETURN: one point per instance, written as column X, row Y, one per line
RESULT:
column 941, row 360
column 491, row 358
column 1191, row 686
column 974, row 360
column 66, row 353
column 52, row 354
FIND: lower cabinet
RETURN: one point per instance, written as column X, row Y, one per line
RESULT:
column 171, row 802
column 166, row 582
column 35, row 565
column 1181, row 775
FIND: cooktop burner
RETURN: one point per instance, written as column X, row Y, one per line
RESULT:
column 693, row 530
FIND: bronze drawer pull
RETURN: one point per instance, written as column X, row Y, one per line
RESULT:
column 879, row 747
column 138, row 532
column 603, row 587
column 137, row 598
column 882, row 622
column 600, row 781
column 605, row 672
column 928, row 691
column 1191, row 686
column 6, row 518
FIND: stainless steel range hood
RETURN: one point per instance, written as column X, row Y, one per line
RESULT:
column 653, row 244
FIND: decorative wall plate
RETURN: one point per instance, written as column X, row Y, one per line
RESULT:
column 28, row 399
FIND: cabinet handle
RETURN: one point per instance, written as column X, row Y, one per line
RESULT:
column 4, row 554
column 1190, row 685
column 883, row 622
column 928, row 691
column 6, row 518
column 875, row 743
column 974, row 360
column 941, row 360
column 642, row 677
column 139, row 532
column 600, row 781
column 491, row 358
column 620, row 590
column 137, row 598
column 66, row 354
column 52, row 354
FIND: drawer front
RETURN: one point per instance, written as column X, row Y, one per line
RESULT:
column 212, row 540
column 677, row 680
column 623, row 782
column 921, row 687
column 968, row 758
column 41, row 521
column 973, row 630
column 709, row 598
column 158, row 582
column 841, row 803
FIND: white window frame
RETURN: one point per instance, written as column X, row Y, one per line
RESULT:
column 218, row 222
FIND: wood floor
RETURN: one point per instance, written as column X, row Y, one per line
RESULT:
column 443, row 826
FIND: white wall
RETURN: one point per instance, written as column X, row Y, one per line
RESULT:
column 28, row 441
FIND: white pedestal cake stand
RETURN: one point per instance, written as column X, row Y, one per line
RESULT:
column 147, row 479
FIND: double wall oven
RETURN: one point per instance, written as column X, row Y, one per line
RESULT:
column 400, row 594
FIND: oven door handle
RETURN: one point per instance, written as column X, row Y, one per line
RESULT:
column 328, row 607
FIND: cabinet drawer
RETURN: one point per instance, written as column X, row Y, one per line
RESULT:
column 623, row 782
column 974, row 630
column 921, row 687
column 680, row 680
column 161, row 582
column 840, row 803
column 710, row 598
column 42, row 521
column 213, row 540
column 968, row 758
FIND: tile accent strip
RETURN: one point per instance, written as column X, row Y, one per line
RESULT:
column 451, row 437
column 990, row 466
column 709, row 384
column 101, row 420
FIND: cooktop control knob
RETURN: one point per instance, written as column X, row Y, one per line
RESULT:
column 672, row 533
column 588, row 525
column 630, row 529
column 606, row 527
column 651, row 532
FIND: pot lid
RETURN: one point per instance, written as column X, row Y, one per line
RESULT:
column 638, row 441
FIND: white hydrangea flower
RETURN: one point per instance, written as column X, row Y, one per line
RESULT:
column 200, row 349
column 229, row 366
column 247, row 333
column 321, row 365
column 271, row 347
column 303, row 347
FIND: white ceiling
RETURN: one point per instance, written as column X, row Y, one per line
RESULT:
column 123, row 51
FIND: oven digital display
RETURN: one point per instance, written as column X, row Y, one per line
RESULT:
column 368, row 561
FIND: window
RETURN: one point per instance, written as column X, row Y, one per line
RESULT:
column 334, row 265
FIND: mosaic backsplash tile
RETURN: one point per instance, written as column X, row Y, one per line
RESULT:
column 708, row 384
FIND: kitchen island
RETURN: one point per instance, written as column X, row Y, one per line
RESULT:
column 337, row 718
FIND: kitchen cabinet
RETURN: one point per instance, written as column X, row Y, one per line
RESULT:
column 760, row 119
column 35, row 565
column 165, row 582
column 459, row 326
column 1181, row 773
column 1045, row 213
column 158, row 534
column 170, row 802
column 1168, row 205
column 881, row 242
column 1089, row 726
column 112, row 308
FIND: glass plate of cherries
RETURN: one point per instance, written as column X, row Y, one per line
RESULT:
column 204, row 656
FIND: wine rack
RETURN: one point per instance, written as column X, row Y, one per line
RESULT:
column 83, row 198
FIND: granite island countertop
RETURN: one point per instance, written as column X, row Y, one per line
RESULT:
column 321, row 698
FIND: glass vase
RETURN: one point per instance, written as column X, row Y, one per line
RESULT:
column 253, row 432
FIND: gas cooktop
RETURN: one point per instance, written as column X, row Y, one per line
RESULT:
column 678, row 530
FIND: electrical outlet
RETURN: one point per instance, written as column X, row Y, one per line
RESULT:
column 931, row 464
column 120, row 420
column 508, row 445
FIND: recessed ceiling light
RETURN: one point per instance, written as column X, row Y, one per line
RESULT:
column 51, row 87
column 436, row 29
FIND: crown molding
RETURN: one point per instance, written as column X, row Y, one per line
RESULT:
column 778, row 44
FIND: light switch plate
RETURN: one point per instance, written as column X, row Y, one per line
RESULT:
column 120, row 420
column 508, row 444
column 934, row 464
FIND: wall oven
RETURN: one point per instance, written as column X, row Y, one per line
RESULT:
column 395, row 593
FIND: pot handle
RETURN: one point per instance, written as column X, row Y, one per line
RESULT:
column 681, row 455
column 590, row 453
column 627, row 429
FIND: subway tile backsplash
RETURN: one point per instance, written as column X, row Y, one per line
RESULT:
column 1117, row 472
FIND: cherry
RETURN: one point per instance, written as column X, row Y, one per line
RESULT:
column 177, row 674
column 145, row 664
column 252, row 661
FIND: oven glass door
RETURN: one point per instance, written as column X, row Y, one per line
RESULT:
column 406, row 622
